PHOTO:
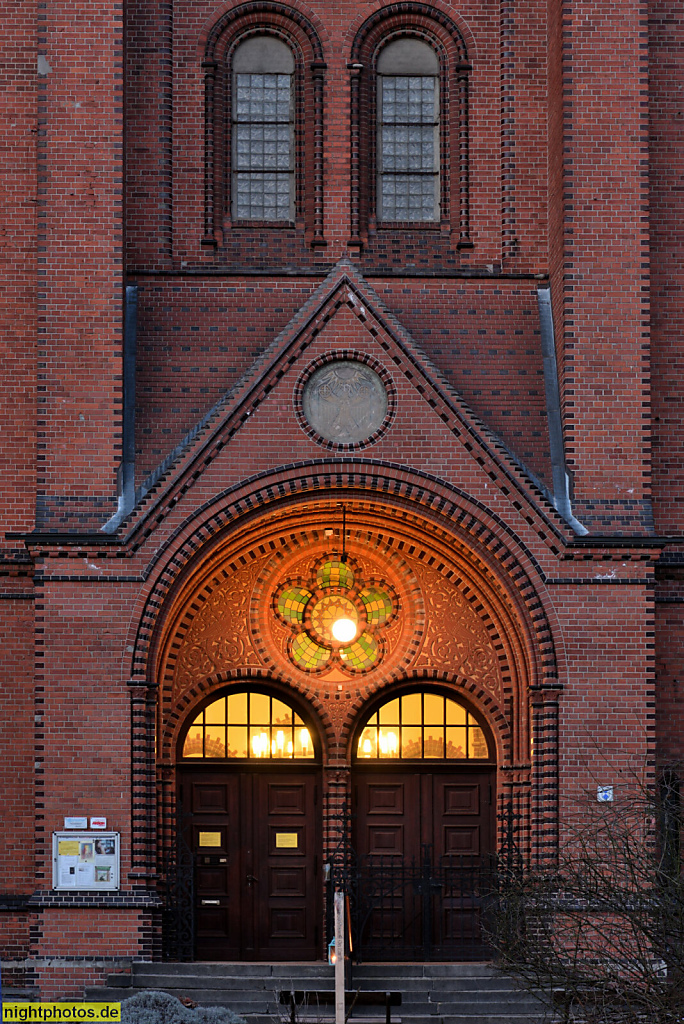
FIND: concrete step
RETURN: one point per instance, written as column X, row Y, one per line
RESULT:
column 237, row 970
column 465, row 993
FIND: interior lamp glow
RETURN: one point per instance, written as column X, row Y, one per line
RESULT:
column 344, row 630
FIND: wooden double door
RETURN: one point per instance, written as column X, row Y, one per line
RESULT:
column 424, row 840
column 257, row 886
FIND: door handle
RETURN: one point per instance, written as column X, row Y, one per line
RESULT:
column 251, row 878
column 211, row 903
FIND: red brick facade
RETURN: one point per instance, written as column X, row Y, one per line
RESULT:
column 529, row 471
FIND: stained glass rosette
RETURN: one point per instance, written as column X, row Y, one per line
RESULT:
column 335, row 619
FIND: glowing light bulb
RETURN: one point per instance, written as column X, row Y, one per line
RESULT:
column 367, row 747
column 289, row 748
column 344, row 630
column 304, row 740
column 280, row 740
column 256, row 746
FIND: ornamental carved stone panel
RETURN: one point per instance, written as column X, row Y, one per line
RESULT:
column 217, row 637
column 456, row 638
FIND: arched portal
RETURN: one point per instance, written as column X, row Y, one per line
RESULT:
column 423, row 832
column 431, row 605
column 249, row 796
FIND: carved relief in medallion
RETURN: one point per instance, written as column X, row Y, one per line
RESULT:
column 345, row 402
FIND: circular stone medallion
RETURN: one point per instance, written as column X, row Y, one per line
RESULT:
column 345, row 401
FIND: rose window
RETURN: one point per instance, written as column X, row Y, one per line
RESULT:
column 335, row 618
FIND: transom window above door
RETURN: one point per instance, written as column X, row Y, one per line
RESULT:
column 248, row 725
column 422, row 725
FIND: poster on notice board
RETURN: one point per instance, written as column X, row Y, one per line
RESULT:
column 85, row 860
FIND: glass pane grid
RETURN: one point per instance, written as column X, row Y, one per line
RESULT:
column 407, row 149
column 262, row 196
column 263, row 150
column 292, row 602
column 378, row 605
column 262, row 147
column 408, row 197
column 248, row 725
column 335, row 573
column 418, row 726
column 362, row 653
column 262, row 98
column 408, row 99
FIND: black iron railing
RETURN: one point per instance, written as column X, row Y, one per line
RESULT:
column 418, row 909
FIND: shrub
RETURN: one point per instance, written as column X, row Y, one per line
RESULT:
column 161, row 1008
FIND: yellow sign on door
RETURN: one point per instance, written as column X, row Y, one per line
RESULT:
column 286, row 840
column 210, row 839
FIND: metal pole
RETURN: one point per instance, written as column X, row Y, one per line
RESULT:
column 339, row 958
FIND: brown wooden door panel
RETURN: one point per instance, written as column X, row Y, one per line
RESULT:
column 285, row 865
column 399, row 816
column 253, row 836
column 462, row 813
column 387, row 814
column 461, row 840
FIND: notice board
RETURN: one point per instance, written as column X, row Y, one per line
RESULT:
column 85, row 860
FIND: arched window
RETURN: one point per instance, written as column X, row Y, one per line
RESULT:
column 248, row 725
column 423, row 726
column 262, row 158
column 409, row 86
column 407, row 147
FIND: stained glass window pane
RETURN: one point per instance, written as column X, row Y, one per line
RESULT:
column 216, row 712
column 389, row 713
column 259, row 709
column 237, row 709
column 237, row 741
column 215, row 741
column 292, row 602
column 361, row 654
column 378, row 605
column 434, row 709
column 413, row 726
column 457, row 744
column 308, row 654
column 335, row 574
column 412, row 709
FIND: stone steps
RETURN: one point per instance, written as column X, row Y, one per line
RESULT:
column 431, row 993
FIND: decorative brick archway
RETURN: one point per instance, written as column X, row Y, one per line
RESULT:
column 433, row 561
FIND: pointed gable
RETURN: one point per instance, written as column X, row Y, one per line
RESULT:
column 261, row 424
